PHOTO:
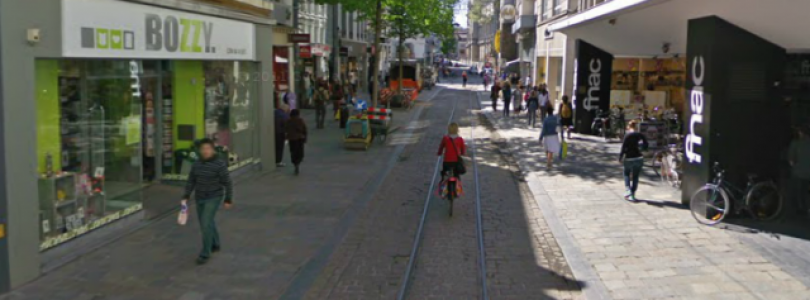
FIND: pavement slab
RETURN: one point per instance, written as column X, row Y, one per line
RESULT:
column 652, row 249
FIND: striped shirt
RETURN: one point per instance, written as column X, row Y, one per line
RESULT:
column 210, row 179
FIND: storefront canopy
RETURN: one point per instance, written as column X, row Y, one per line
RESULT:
column 514, row 66
column 642, row 27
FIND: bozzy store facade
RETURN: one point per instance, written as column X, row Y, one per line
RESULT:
column 745, row 78
column 104, row 104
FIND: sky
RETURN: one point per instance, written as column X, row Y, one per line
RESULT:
column 461, row 13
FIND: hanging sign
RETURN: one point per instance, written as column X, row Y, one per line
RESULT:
column 298, row 38
column 115, row 29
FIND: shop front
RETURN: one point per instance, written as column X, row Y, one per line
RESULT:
column 315, row 58
column 123, row 107
column 106, row 101
column 717, row 76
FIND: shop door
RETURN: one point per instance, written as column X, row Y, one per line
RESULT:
column 150, row 92
column 735, row 114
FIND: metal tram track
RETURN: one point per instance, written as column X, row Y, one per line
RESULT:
column 417, row 243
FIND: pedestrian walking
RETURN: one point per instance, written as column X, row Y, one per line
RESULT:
column 630, row 155
column 493, row 94
column 486, row 80
column 550, row 139
column 545, row 102
column 336, row 94
column 320, row 97
column 799, row 159
column 507, row 98
column 464, row 79
column 518, row 99
column 296, row 131
column 566, row 117
column 210, row 183
column 533, row 104
column 281, row 119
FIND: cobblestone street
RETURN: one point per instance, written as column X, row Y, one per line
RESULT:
column 563, row 233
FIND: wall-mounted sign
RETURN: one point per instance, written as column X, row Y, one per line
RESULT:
column 344, row 51
column 321, row 50
column 592, row 71
column 508, row 13
column 298, row 38
column 305, row 51
column 116, row 29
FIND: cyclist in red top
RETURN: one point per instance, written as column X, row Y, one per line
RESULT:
column 452, row 147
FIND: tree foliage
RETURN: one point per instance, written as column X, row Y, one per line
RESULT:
column 449, row 46
column 480, row 12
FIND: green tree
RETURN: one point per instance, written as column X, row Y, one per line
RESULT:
column 449, row 46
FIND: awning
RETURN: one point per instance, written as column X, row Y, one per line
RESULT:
column 642, row 27
column 514, row 66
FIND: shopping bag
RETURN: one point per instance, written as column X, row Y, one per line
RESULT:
column 337, row 115
column 563, row 150
column 182, row 217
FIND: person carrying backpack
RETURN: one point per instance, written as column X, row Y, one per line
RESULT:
column 320, row 97
column 566, row 116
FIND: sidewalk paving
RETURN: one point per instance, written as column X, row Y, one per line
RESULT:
column 280, row 224
column 648, row 250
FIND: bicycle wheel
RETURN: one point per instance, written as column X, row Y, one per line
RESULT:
column 451, row 194
column 764, row 201
column 710, row 205
column 668, row 169
column 655, row 163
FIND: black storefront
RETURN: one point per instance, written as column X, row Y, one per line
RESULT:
column 745, row 98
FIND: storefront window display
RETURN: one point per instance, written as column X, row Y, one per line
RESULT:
column 108, row 128
column 89, row 122
column 222, row 107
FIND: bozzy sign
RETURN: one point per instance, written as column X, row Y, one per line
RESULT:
column 172, row 34
column 106, row 28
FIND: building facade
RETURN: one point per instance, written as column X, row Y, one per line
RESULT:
column 349, row 36
column 483, row 33
column 104, row 101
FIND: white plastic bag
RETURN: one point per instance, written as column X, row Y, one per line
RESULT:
column 182, row 217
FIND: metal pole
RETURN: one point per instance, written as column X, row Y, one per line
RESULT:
column 5, row 267
column 297, row 65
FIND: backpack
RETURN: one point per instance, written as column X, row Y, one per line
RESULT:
column 321, row 97
column 565, row 111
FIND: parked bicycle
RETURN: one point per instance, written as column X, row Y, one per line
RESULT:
column 618, row 125
column 712, row 203
column 671, row 165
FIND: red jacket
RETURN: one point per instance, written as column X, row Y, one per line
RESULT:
column 449, row 154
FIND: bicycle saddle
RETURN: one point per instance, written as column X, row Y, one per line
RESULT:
column 752, row 176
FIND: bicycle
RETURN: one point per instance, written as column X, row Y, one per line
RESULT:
column 450, row 191
column 671, row 167
column 714, row 201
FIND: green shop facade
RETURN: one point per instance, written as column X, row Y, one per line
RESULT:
column 103, row 101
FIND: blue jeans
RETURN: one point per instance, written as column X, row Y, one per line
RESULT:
column 532, row 116
column 632, row 169
column 206, row 211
